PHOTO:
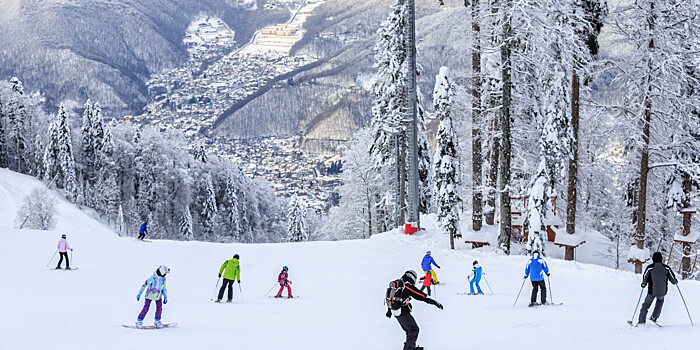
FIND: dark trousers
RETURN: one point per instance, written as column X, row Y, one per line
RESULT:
column 142, row 235
column 63, row 254
column 423, row 287
column 541, row 285
column 647, row 304
column 409, row 325
column 228, row 283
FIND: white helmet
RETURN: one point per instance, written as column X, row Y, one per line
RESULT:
column 410, row 276
column 163, row 270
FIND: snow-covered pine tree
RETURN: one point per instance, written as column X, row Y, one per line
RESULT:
column 425, row 161
column 186, row 232
column 296, row 221
column 445, row 166
column 58, row 155
column 38, row 161
column 3, row 142
column 199, row 152
column 230, row 216
column 120, row 221
column 477, row 175
column 87, row 145
column 209, row 209
column 16, row 116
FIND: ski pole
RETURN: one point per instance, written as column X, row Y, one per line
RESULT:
column 551, row 298
column 686, row 305
column 487, row 284
column 636, row 307
column 521, row 289
column 239, row 289
column 52, row 256
column 216, row 288
column 71, row 258
column 273, row 287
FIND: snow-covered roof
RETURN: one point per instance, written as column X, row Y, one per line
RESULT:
column 637, row 254
column 569, row 240
column 691, row 238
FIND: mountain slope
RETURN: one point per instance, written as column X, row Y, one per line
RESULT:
column 340, row 284
column 106, row 50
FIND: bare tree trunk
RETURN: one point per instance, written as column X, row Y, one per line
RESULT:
column 644, row 167
column 687, row 247
column 493, row 171
column 573, row 164
column 505, row 153
column 402, row 180
column 476, row 120
column 369, row 214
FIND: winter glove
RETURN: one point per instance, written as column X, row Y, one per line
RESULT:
column 165, row 300
column 644, row 285
column 388, row 313
column 524, row 277
column 219, row 275
column 239, row 281
column 547, row 275
column 71, row 249
column 438, row 305
column 138, row 296
column 438, row 267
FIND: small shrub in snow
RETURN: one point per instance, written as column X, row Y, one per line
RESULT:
column 37, row 211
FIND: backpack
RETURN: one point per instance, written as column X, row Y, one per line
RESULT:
column 393, row 298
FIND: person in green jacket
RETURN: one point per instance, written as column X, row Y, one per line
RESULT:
column 232, row 271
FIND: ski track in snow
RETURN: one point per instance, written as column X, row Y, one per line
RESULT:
column 342, row 284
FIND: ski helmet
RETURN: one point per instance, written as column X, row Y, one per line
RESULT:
column 410, row 276
column 475, row 263
column 285, row 268
column 428, row 252
column 657, row 257
column 235, row 256
column 536, row 254
column 163, row 270
column 63, row 235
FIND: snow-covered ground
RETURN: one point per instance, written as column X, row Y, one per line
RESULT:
column 340, row 287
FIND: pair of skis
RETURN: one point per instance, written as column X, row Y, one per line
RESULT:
column 637, row 325
column 165, row 325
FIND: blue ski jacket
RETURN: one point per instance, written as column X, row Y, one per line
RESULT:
column 536, row 268
column 143, row 228
column 477, row 274
column 427, row 262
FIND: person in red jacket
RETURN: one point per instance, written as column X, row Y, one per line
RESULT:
column 284, row 281
column 427, row 281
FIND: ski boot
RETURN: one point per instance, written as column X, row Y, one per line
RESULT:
column 278, row 296
column 57, row 268
column 229, row 301
column 217, row 301
column 139, row 324
column 290, row 296
column 158, row 324
column 533, row 304
column 67, row 268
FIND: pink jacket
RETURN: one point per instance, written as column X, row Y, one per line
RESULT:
column 63, row 245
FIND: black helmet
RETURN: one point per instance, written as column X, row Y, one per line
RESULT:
column 656, row 257
column 475, row 263
column 285, row 268
column 235, row 256
column 63, row 235
column 410, row 276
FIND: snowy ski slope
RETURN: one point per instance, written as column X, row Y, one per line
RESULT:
column 340, row 285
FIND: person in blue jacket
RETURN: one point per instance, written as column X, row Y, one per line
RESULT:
column 427, row 263
column 143, row 231
column 475, row 278
column 536, row 268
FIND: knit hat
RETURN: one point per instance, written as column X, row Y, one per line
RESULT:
column 428, row 252
column 657, row 258
column 475, row 263
column 235, row 256
column 63, row 235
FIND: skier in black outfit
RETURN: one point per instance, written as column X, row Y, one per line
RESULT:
column 656, row 276
column 398, row 297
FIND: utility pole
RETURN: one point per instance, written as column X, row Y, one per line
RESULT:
column 413, row 197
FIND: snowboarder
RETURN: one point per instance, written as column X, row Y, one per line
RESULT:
column 536, row 268
column 63, row 248
column 284, row 281
column 232, row 272
column 398, row 301
column 475, row 278
column 143, row 231
column 155, row 291
column 427, row 263
column 427, row 281
column 656, row 275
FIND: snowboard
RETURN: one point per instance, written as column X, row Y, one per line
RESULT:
column 165, row 325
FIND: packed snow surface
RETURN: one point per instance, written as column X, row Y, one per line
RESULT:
column 340, row 287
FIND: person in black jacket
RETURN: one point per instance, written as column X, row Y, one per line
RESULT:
column 398, row 300
column 656, row 276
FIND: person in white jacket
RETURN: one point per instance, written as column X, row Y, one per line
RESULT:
column 63, row 248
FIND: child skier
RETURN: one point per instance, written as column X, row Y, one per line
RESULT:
column 398, row 301
column 475, row 278
column 536, row 268
column 427, row 263
column 284, row 281
column 155, row 291
column 656, row 276
column 427, row 281
column 232, row 272
column 63, row 248
column 143, row 231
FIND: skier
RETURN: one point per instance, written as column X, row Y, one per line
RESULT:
column 475, row 278
column 284, row 281
column 427, row 263
column 398, row 301
column 63, row 248
column 143, row 231
column 656, row 275
column 536, row 268
column 427, row 281
column 232, row 272
column 155, row 291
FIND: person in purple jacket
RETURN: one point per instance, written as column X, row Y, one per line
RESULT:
column 63, row 248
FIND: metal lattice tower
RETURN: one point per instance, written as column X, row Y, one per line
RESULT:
column 412, row 194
